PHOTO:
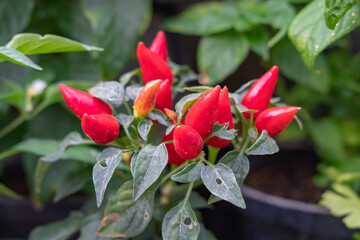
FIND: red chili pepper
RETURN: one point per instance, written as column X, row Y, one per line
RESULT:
column 187, row 142
column 171, row 115
column 152, row 66
column 223, row 115
column 173, row 157
column 164, row 96
column 145, row 101
column 81, row 102
column 201, row 115
column 101, row 128
column 275, row 119
column 159, row 46
column 259, row 95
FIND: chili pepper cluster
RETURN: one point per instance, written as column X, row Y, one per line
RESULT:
column 195, row 126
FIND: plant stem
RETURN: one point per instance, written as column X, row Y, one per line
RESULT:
column 213, row 152
column 172, row 172
column 188, row 193
column 8, row 153
column 19, row 120
column 127, row 107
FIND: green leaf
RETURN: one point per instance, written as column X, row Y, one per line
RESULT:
column 180, row 223
column 336, row 9
column 157, row 115
column 220, row 55
column 125, row 121
column 11, row 55
column 204, row 19
column 41, row 169
column 89, row 226
column 14, row 17
column 103, row 170
column 133, row 162
column 111, row 92
column 71, row 184
column 73, row 138
column 13, row 93
column 258, row 39
column 124, row 217
column 117, row 30
column 309, row 33
column 148, row 167
column 31, row 43
column 343, row 202
column 126, row 77
column 220, row 180
column 190, row 173
column 205, row 234
column 59, row 230
column 263, row 145
column 221, row 131
column 144, row 128
column 198, row 89
column 170, row 129
column 186, row 102
column 5, row 191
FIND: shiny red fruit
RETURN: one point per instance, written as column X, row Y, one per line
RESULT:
column 81, row 102
column 173, row 157
column 223, row 115
column 259, row 95
column 101, row 128
column 164, row 96
column 159, row 46
column 275, row 119
column 187, row 142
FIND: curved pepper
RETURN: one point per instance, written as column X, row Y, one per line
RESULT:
column 223, row 115
column 152, row 65
column 201, row 115
column 145, row 101
column 159, row 46
column 164, row 96
column 187, row 142
column 275, row 119
column 81, row 102
column 101, row 128
column 259, row 95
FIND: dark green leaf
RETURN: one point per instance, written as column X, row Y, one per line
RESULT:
column 279, row 13
column 220, row 55
column 180, row 223
column 126, row 77
column 14, row 17
column 107, row 162
column 157, row 115
column 73, row 138
column 111, row 92
column 89, row 226
column 59, row 230
column 5, row 191
column 149, row 165
column 220, row 180
column 204, row 19
column 258, row 39
column 221, row 131
column 31, row 43
column 144, row 128
column 205, row 234
column 125, row 217
column 190, row 173
column 40, row 171
column 72, row 184
column 336, row 9
column 13, row 93
column 310, row 35
column 263, row 145
column 11, row 55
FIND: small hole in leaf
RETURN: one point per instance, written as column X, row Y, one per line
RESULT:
column 218, row 181
column 187, row 221
column 146, row 215
column 103, row 163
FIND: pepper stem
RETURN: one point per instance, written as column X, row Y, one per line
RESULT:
column 213, row 152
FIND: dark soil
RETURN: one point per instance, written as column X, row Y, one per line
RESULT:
column 286, row 174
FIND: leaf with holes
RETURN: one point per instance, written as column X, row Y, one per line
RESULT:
column 144, row 128
column 125, row 217
column 73, row 138
column 111, row 92
column 157, row 115
column 180, row 223
column 149, row 164
column 190, row 173
column 336, row 9
column 263, row 145
column 239, row 164
column 220, row 180
column 221, row 131
column 103, row 170
column 11, row 55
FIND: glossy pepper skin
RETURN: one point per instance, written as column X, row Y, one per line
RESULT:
column 187, row 142
column 164, row 96
column 101, row 128
column 81, row 102
column 223, row 115
column 275, row 119
column 173, row 157
column 159, row 46
column 259, row 95
column 145, row 101
column 152, row 65
column 201, row 115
